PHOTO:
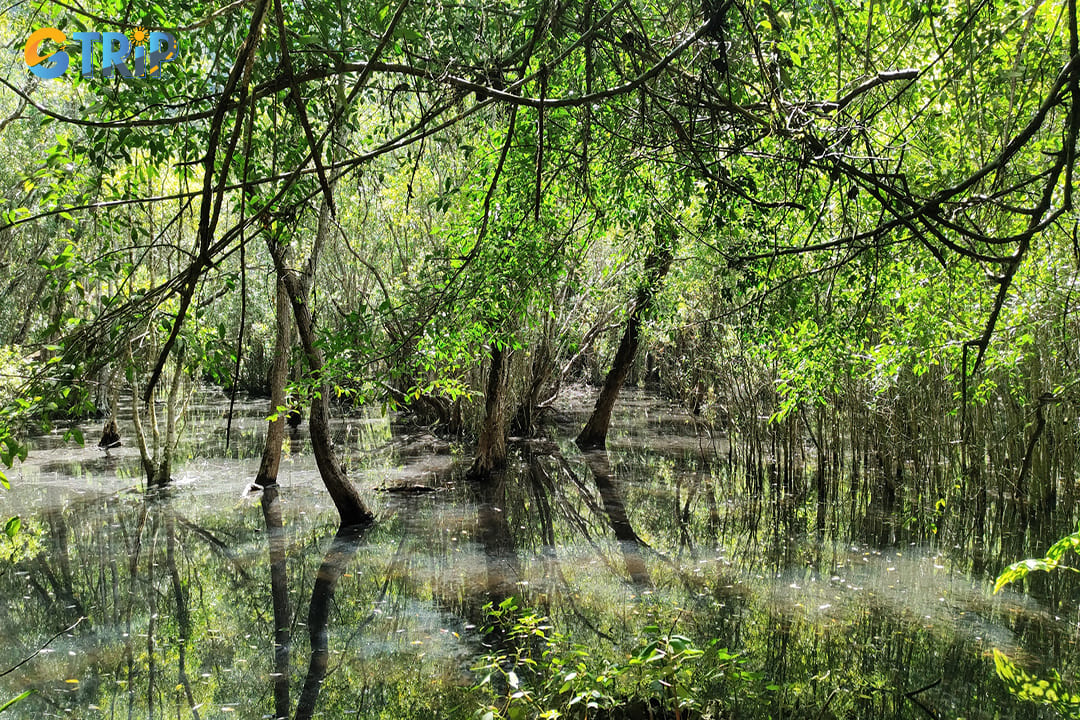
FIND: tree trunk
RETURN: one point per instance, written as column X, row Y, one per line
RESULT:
column 594, row 435
column 543, row 368
column 157, row 458
column 275, row 433
column 172, row 415
column 346, row 499
column 491, row 447
column 271, row 505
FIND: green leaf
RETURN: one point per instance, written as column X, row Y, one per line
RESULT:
column 407, row 33
column 12, row 526
column 76, row 434
column 14, row 700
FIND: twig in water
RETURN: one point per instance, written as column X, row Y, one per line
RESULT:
column 37, row 652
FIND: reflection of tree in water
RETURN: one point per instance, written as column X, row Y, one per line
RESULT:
column 497, row 580
column 630, row 542
column 183, row 613
column 340, row 554
column 124, row 564
column 198, row 633
column 279, row 596
column 342, row 551
column 502, row 569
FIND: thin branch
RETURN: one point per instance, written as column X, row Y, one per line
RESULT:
column 37, row 652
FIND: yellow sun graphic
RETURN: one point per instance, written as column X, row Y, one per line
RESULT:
column 138, row 36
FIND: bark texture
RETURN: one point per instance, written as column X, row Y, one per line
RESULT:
column 594, row 435
column 275, row 433
column 491, row 446
column 350, row 506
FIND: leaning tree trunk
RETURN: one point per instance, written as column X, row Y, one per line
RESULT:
column 491, row 447
column 594, row 435
column 346, row 499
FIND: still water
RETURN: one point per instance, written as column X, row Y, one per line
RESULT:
column 206, row 601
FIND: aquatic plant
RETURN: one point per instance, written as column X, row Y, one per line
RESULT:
column 16, row 699
column 534, row 670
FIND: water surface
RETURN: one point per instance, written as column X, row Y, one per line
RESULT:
column 162, row 605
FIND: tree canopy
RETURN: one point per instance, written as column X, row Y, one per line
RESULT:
column 851, row 193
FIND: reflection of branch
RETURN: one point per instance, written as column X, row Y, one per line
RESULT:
column 217, row 545
column 910, row 695
column 575, row 518
column 542, row 484
column 37, row 652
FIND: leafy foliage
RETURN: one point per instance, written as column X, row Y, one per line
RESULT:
column 1043, row 691
column 1053, row 560
column 542, row 673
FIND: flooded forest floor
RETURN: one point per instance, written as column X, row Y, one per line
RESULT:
column 674, row 575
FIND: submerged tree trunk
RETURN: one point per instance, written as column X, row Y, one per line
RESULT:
column 271, row 505
column 346, row 499
column 491, row 447
column 157, row 454
column 594, row 435
column 275, row 432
